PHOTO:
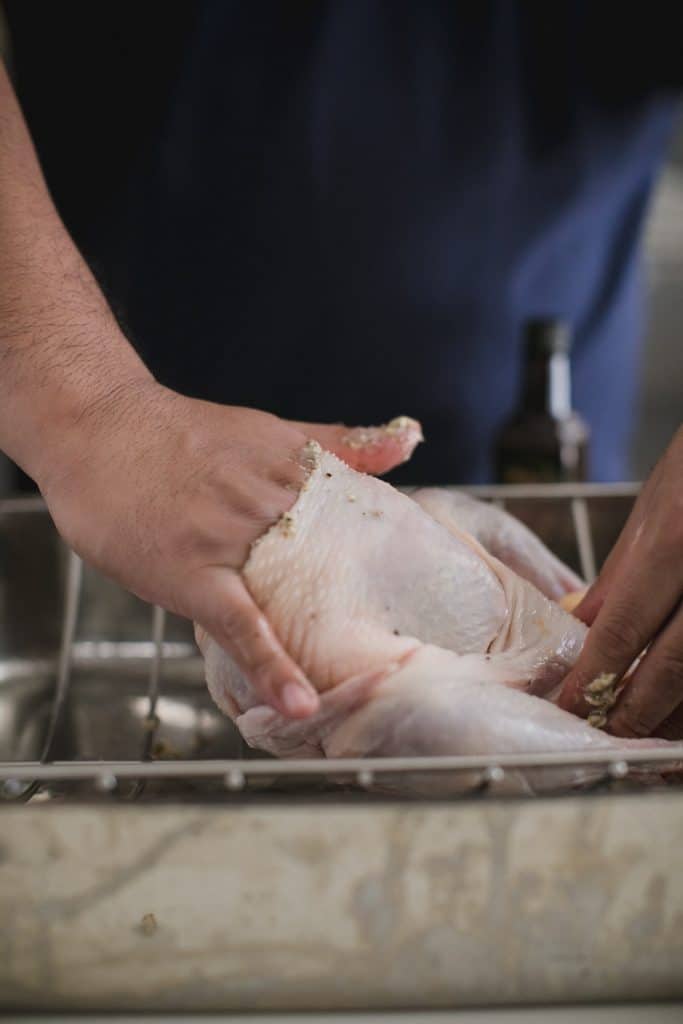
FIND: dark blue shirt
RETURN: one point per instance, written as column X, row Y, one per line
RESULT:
column 345, row 210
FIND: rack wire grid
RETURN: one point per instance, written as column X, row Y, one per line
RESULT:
column 22, row 780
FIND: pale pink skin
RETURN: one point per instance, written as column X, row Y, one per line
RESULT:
column 503, row 536
column 419, row 640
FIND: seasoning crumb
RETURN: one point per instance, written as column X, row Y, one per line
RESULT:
column 287, row 525
column 601, row 694
column 396, row 633
column 601, row 684
column 148, row 924
column 359, row 438
column 376, row 512
column 401, row 423
column 328, row 474
column 351, row 497
column 311, row 455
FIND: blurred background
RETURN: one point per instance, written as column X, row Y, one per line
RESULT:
column 661, row 385
column 661, row 396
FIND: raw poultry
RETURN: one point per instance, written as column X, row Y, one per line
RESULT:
column 419, row 639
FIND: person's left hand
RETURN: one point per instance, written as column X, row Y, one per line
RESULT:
column 637, row 603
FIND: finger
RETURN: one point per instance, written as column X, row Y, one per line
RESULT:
column 589, row 607
column 672, row 728
column 656, row 689
column 633, row 612
column 368, row 449
column 224, row 608
column 593, row 599
column 639, row 525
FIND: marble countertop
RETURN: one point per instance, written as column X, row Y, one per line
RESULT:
column 669, row 1013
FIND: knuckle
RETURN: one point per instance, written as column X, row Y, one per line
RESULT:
column 676, row 534
column 243, row 628
column 633, row 722
column 253, row 644
column 667, row 548
column 232, row 623
column 669, row 668
column 265, row 667
column 618, row 637
column 226, row 616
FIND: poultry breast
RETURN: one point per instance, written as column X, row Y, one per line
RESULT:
column 419, row 639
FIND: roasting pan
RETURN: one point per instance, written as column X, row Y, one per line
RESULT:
column 148, row 861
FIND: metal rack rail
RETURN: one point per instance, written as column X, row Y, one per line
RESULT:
column 20, row 780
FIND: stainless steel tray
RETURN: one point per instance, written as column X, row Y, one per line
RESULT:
column 148, row 861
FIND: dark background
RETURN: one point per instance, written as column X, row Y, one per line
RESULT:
column 661, row 399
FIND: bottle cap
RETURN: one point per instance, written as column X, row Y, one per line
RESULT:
column 547, row 337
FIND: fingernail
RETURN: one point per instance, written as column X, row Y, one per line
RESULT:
column 403, row 428
column 402, row 424
column 298, row 700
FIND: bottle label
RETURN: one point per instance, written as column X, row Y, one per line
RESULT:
column 559, row 386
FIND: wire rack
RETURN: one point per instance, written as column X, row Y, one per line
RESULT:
column 22, row 780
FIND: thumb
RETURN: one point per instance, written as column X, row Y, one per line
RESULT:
column 223, row 608
column 368, row 449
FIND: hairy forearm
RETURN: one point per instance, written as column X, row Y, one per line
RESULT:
column 61, row 351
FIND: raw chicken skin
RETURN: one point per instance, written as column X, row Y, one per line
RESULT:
column 420, row 641
column 503, row 536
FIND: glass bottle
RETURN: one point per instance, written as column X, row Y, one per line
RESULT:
column 545, row 440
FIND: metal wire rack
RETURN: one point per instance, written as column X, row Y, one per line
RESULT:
column 22, row 780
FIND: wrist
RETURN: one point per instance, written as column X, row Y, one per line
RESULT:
column 54, row 406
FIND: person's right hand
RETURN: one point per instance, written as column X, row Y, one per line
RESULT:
column 166, row 494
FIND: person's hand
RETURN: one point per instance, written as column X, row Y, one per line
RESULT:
column 166, row 494
column 163, row 493
column 637, row 603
